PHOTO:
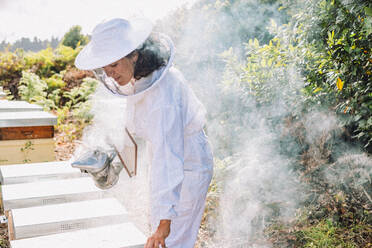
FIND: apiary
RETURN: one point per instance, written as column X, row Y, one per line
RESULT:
column 26, row 136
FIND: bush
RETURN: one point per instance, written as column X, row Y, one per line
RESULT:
column 319, row 62
column 11, row 66
column 80, row 94
column 336, row 39
column 32, row 88
column 55, row 82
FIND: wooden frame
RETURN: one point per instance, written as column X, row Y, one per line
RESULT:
column 130, row 173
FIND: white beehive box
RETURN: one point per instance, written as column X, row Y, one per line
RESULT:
column 66, row 217
column 49, row 192
column 113, row 236
column 18, row 106
column 36, row 172
column 26, row 137
column 27, row 119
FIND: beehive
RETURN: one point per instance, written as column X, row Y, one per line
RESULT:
column 26, row 136
column 33, row 194
column 66, row 217
column 124, row 235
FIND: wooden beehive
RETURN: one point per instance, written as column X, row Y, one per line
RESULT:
column 26, row 133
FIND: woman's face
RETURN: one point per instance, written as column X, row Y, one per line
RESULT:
column 122, row 70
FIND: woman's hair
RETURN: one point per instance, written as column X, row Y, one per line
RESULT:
column 151, row 56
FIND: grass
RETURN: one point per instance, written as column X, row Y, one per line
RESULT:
column 328, row 235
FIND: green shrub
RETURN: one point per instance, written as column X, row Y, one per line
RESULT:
column 80, row 94
column 11, row 66
column 65, row 56
column 32, row 88
column 55, row 82
column 336, row 37
column 41, row 62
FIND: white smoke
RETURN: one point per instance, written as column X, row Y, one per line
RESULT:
column 108, row 125
column 108, row 131
column 260, row 183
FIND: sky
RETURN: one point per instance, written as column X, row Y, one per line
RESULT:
column 47, row 18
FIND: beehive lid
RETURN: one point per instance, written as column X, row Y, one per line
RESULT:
column 22, row 173
column 49, row 192
column 27, row 119
column 48, row 188
column 17, row 106
column 124, row 235
column 67, row 211
column 58, row 218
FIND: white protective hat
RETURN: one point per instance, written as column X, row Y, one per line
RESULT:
column 112, row 40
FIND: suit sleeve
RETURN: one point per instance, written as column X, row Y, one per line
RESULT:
column 166, row 136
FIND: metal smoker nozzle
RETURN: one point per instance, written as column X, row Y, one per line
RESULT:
column 98, row 163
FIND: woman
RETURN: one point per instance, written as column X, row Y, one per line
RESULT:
column 163, row 110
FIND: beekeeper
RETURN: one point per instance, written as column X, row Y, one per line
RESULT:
column 134, row 63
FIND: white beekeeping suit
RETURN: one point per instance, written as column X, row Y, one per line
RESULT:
column 170, row 118
column 163, row 110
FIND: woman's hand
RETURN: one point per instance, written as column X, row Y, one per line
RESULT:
column 158, row 238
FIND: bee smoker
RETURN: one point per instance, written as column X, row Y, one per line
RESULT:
column 99, row 164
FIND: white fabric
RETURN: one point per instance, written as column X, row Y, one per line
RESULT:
column 198, row 170
column 127, row 89
column 112, row 40
column 171, row 118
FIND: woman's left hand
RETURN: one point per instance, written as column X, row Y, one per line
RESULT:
column 158, row 238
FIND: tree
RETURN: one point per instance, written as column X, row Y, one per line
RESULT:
column 3, row 45
column 74, row 37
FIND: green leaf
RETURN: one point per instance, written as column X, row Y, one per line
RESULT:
column 357, row 117
column 368, row 11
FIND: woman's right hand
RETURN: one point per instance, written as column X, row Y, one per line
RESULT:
column 158, row 238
